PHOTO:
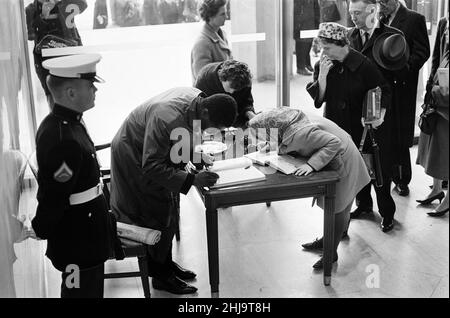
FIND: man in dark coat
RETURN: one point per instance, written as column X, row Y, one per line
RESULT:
column 362, row 38
column 413, row 26
column 148, row 159
column 306, row 17
column 233, row 78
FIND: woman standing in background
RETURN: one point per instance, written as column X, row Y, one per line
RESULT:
column 212, row 44
column 433, row 149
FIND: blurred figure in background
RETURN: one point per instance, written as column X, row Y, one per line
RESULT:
column 190, row 12
column 171, row 11
column 100, row 14
column 433, row 150
column 126, row 13
column 152, row 15
column 51, row 24
column 306, row 17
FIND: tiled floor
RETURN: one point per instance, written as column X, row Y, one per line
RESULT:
column 260, row 253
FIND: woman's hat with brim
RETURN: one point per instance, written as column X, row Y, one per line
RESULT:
column 391, row 51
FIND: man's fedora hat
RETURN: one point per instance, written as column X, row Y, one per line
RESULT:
column 391, row 51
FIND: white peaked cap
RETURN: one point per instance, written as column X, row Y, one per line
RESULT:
column 75, row 66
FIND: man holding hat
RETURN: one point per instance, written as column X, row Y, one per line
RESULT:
column 386, row 47
column 413, row 26
column 72, row 213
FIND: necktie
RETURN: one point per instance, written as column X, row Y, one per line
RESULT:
column 385, row 18
column 365, row 38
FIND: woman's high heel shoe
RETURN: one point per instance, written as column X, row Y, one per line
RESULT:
column 440, row 196
column 439, row 213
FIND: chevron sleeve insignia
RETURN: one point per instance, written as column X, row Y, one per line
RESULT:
column 63, row 174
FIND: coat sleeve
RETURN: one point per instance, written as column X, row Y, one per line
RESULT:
column 156, row 158
column 244, row 99
column 201, row 56
column 436, row 51
column 317, row 144
column 420, row 48
column 313, row 87
column 53, row 195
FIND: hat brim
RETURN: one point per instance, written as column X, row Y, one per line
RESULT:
column 391, row 66
column 92, row 77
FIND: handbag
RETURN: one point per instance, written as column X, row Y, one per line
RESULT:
column 428, row 118
column 372, row 159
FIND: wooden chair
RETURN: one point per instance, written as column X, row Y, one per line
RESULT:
column 130, row 248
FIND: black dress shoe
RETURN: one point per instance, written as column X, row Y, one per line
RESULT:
column 357, row 213
column 319, row 263
column 173, row 285
column 440, row 196
column 182, row 273
column 317, row 244
column 402, row 190
column 439, row 213
column 387, row 225
column 303, row 71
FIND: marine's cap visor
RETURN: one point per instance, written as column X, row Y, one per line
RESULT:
column 92, row 77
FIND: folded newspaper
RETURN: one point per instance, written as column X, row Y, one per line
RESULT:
column 138, row 234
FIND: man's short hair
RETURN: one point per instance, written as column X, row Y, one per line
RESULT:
column 222, row 109
column 209, row 8
column 56, row 84
column 237, row 73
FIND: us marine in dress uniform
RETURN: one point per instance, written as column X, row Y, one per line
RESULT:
column 72, row 213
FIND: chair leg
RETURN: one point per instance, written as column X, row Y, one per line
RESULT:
column 143, row 269
column 177, row 230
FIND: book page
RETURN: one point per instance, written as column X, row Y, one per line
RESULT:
column 222, row 165
column 286, row 164
column 237, row 176
column 283, row 163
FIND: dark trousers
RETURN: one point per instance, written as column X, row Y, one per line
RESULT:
column 160, row 254
column 91, row 283
column 386, row 204
column 401, row 170
column 302, row 49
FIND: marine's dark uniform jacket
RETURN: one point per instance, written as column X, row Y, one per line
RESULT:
column 76, row 234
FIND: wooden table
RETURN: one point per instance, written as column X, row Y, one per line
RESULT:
column 276, row 187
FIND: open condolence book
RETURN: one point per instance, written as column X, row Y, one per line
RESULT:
column 283, row 163
column 236, row 171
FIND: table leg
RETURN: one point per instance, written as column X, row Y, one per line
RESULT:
column 213, row 249
column 328, row 234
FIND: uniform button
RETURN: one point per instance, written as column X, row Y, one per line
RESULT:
column 65, row 122
column 90, row 214
column 93, row 155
